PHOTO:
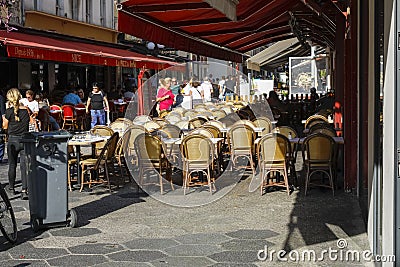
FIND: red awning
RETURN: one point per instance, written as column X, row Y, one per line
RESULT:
column 196, row 26
column 21, row 45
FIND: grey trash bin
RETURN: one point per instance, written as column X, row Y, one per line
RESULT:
column 47, row 161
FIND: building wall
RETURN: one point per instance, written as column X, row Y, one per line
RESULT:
column 97, row 12
column 389, row 123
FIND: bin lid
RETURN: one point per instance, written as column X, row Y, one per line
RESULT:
column 34, row 136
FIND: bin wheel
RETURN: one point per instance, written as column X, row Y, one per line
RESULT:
column 35, row 224
column 73, row 219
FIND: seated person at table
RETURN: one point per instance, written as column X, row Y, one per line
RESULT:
column 45, row 114
column 71, row 98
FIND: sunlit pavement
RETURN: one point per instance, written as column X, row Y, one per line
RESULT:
column 242, row 228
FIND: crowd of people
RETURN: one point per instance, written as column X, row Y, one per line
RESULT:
column 171, row 93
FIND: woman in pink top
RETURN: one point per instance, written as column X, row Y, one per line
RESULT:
column 164, row 96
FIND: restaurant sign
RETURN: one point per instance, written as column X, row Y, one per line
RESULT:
column 67, row 56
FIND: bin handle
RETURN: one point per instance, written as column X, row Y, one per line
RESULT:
column 49, row 150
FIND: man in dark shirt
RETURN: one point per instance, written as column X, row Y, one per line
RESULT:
column 98, row 103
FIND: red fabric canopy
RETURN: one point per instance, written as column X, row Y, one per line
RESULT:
column 21, row 45
column 197, row 27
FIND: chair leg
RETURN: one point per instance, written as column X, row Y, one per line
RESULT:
column 252, row 164
column 69, row 177
column 307, row 180
column 82, row 177
column 285, row 177
column 107, row 176
column 161, row 180
column 331, row 181
column 209, row 179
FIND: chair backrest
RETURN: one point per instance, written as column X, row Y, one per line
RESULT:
column 142, row 118
column 313, row 119
column 160, row 121
column 197, row 122
column 227, row 110
column 151, row 125
column 202, row 131
column 230, row 119
column 319, row 148
column 148, row 147
column 286, row 131
column 101, row 130
column 213, row 129
column 80, row 109
column 182, row 124
column 129, row 137
column 218, row 114
column 246, row 122
column 112, row 146
column 120, row 124
column 68, row 111
column 322, row 128
column 263, row 122
column 274, row 148
column 197, row 148
column 173, row 130
column 56, row 115
column 241, row 136
column 126, row 120
column 215, row 123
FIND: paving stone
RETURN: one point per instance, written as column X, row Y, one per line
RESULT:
column 146, row 243
column 193, row 250
column 123, row 264
column 245, row 244
column 252, row 234
column 224, row 264
column 18, row 209
column 98, row 248
column 78, row 260
column 21, row 263
column 27, row 251
column 137, row 255
column 4, row 256
column 183, row 261
column 75, row 232
column 203, row 238
column 235, row 256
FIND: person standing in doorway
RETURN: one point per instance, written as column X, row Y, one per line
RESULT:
column 16, row 120
column 98, row 103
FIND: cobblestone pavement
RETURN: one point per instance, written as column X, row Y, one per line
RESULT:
column 129, row 228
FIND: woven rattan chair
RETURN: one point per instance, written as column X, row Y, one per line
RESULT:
column 197, row 151
column 263, row 122
column 218, row 114
column 151, row 126
column 319, row 155
column 150, row 152
column 273, row 151
column 91, row 165
column 197, row 122
column 182, row 124
column 121, row 125
column 128, row 147
column 104, row 131
column 173, row 130
column 241, row 139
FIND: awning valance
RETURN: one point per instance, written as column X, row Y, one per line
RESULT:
column 35, row 47
column 281, row 49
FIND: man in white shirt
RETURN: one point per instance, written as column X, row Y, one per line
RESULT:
column 206, row 87
column 31, row 103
